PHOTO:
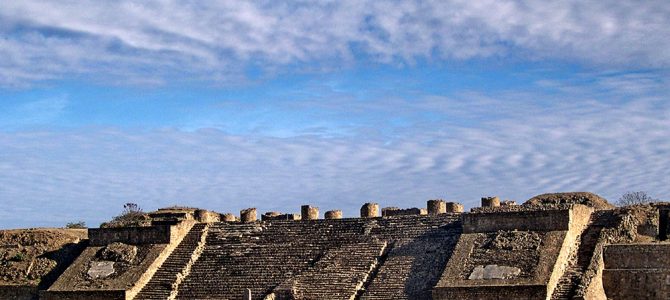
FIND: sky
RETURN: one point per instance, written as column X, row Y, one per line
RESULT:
column 226, row 105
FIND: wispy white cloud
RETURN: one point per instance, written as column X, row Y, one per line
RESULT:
column 157, row 40
column 565, row 141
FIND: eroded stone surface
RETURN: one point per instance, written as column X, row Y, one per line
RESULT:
column 515, row 240
column 494, row 272
column 119, row 252
column 100, row 269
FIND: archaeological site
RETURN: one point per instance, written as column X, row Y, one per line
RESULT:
column 552, row 246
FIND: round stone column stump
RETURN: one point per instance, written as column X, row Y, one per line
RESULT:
column 308, row 212
column 333, row 214
column 436, row 207
column 370, row 210
column 490, row 201
column 248, row 215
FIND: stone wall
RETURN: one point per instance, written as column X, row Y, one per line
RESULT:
column 85, row 295
column 637, row 271
column 524, row 207
column 517, row 292
column 156, row 234
column 549, row 220
column 394, row 211
column 160, row 234
column 637, row 256
column 18, row 292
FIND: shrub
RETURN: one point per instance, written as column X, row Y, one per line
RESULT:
column 76, row 225
column 132, row 215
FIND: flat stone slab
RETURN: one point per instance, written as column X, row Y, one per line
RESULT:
column 494, row 272
column 100, row 269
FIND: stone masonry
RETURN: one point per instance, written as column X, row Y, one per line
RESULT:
column 248, row 215
column 370, row 210
column 438, row 252
column 308, row 212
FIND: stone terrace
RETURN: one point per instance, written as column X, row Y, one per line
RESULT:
column 381, row 258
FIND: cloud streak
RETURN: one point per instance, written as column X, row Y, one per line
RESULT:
column 515, row 151
column 156, row 41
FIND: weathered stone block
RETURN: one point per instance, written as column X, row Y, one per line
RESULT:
column 436, row 207
column 637, row 256
column 454, row 207
column 308, row 212
column 370, row 210
column 394, row 211
column 490, row 201
column 637, row 283
column 549, row 220
column 228, row 217
column 248, row 215
column 159, row 234
column 206, row 216
column 494, row 272
column 118, row 252
column 270, row 215
column 100, row 269
column 334, row 214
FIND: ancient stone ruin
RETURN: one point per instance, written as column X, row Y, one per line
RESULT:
column 333, row 214
column 554, row 246
column 248, row 215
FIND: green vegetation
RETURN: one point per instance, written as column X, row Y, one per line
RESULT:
column 76, row 225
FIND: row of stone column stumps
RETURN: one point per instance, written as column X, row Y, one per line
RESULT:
column 368, row 210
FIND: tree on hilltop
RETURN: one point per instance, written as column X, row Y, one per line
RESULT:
column 633, row 198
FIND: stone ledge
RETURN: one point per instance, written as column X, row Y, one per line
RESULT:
column 549, row 220
column 637, row 256
column 84, row 295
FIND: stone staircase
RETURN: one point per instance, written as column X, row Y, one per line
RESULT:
column 165, row 279
column 580, row 261
column 335, row 275
column 415, row 263
column 314, row 257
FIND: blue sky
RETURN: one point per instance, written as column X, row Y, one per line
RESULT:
column 331, row 103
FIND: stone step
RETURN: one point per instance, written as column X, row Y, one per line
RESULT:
column 160, row 285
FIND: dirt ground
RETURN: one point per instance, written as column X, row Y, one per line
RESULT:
column 37, row 256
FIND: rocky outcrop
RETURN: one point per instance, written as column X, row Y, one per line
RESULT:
column 584, row 198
